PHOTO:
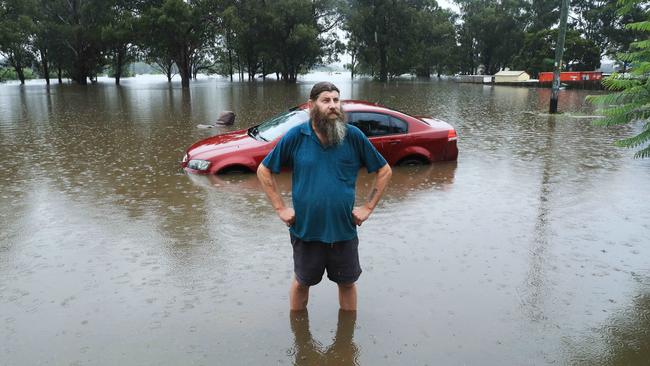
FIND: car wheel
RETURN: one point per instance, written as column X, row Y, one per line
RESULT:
column 412, row 161
column 237, row 169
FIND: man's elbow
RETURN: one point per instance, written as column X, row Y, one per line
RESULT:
column 263, row 172
column 386, row 171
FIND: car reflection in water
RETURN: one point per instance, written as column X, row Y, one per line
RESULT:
column 405, row 180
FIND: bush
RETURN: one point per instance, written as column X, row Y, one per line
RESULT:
column 8, row 73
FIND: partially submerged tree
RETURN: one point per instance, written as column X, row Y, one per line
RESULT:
column 118, row 36
column 16, row 30
column 390, row 38
column 178, row 30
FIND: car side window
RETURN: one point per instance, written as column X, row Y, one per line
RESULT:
column 398, row 126
column 371, row 124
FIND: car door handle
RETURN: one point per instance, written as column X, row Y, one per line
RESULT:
column 394, row 142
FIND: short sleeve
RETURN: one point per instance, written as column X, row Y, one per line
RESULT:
column 370, row 157
column 281, row 155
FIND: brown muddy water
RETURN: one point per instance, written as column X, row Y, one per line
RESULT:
column 531, row 249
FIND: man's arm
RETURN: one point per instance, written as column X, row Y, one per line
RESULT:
column 361, row 214
column 286, row 214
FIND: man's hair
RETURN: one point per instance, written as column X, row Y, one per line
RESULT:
column 323, row 86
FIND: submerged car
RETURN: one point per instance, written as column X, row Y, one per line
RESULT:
column 400, row 138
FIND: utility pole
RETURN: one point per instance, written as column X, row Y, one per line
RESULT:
column 559, row 51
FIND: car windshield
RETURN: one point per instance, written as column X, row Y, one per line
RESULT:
column 278, row 125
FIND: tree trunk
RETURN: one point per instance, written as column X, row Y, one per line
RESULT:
column 423, row 72
column 184, row 68
column 20, row 73
column 251, row 72
column 79, row 74
column 44, row 64
column 383, row 64
column 230, row 70
column 118, row 66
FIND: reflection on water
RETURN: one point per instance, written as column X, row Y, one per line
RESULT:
column 530, row 243
column 535, row 286
column 625, row 335
column 309, row 352
column 405, row 180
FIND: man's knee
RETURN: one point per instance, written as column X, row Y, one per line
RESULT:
column 300, row 286
column 345, row 286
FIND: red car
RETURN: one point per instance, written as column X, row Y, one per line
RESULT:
column 400, row 138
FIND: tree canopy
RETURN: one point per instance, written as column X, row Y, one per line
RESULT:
column 81, row 39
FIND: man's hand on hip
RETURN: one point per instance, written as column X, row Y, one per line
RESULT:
column 287, row 215
column 360, row 214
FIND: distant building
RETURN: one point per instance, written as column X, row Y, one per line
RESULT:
column 510, row 76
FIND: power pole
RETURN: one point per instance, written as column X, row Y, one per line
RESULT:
column 559, row 51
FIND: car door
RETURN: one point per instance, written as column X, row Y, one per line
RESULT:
column 397, row 139
column 377, row 127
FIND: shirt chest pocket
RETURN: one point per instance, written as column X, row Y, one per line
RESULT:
column 347, row 171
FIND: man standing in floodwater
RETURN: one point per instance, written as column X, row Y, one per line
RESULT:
column 325, row 155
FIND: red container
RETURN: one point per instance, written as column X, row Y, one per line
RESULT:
column 571, row 76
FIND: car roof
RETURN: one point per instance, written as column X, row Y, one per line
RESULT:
column 354, row 103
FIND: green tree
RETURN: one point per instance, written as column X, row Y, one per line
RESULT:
column 16, row 30
column 302, row 29
column 78, row 25
column 178, row 30
column 631, row 101
column 390, row 38
column 434, row 47
column 118, row 37
column 491, row 32
column 537, row 53
column 541, row 14
column 600, row 22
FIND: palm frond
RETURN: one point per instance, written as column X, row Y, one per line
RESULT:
column 620, row 84
column 635, row 141
column 644, row 153
column 643, row 26
column 645, row 44
column 630, row 101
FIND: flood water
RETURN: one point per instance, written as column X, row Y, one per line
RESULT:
column 531, row 249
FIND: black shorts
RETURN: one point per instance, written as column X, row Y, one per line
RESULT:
column 311, row 258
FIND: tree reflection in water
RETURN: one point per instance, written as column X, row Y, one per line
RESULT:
column 626, row 337
column 307, row 351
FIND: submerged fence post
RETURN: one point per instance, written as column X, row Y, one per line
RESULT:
column 559, row 51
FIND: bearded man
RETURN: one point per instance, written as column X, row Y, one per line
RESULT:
column 325, row 155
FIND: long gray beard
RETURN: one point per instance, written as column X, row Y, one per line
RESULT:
column 333, row 131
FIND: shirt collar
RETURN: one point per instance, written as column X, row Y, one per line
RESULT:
column 306, row 128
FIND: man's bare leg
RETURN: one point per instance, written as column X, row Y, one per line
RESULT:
column 348, row 296
column 298, row 295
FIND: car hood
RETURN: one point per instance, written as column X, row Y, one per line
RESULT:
column 222, row 144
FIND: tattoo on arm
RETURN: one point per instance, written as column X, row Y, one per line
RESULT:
column 372, row 195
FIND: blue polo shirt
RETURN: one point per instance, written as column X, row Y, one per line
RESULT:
column 323, row 180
